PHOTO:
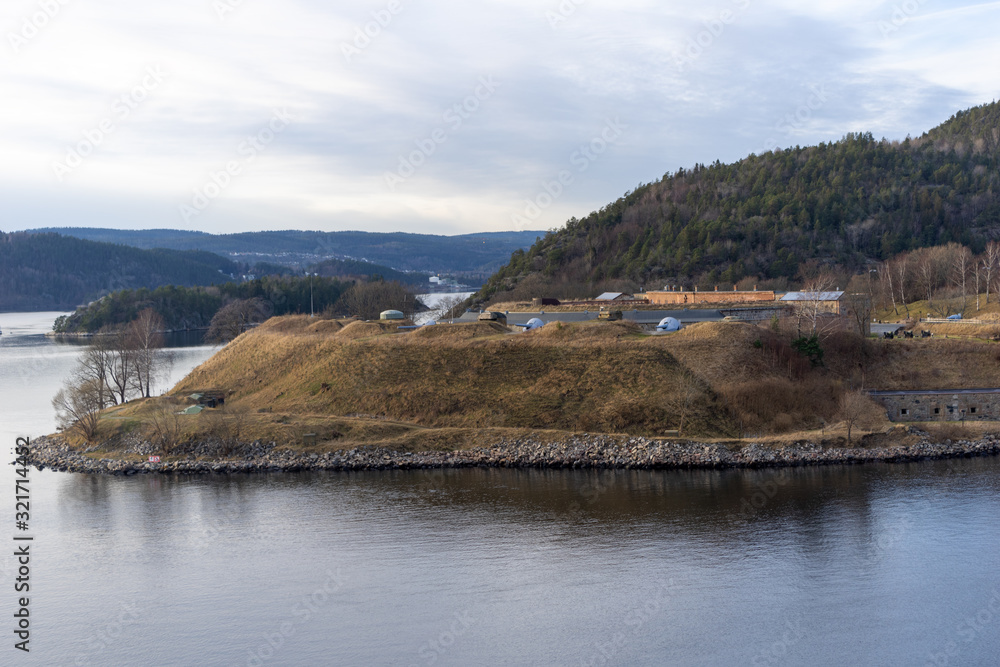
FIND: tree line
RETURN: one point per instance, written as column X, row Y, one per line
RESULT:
column 194, row 307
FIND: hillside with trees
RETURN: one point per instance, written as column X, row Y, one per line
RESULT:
column 773, row 218
column 53, row 272
column 194, row 307
column 469, row 255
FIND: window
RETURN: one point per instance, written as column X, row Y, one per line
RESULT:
column 951, row 408
column 904, row 412
column 972, row 410
column 937, row 411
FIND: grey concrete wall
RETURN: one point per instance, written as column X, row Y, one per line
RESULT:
column 942, row 407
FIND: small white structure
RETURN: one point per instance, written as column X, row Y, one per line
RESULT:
column 533, row 323
column 668, row 324
column 391, row 315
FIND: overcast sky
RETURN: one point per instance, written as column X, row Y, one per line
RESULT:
column 440, row 116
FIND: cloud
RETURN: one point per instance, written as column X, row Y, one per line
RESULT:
column 369, row 84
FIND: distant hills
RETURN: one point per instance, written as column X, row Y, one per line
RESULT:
column 53, row 272
column 471, row 255
column 778, row 216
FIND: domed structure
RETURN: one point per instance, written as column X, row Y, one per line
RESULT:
column 668, row 324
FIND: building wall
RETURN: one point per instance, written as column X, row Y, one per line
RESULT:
column 941, row 407
column 833, row 307
column 675, row 298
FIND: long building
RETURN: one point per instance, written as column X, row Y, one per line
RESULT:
column 680, row 297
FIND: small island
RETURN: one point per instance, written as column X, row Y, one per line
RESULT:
column 301, row 393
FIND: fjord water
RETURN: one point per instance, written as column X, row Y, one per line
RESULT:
column 865, row 565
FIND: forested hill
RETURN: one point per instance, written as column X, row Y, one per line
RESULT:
column 481, row 253
column 762, row 218
column 53, row 272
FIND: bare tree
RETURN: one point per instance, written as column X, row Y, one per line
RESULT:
column 94, row 366
column 122, row 361
column 78, row 406
column 858, row 409
column 816, row 293
column 367, row 300
column 166, row 427
column 146, row 339
column 228, row 424
column 236, row 317
column 926, row 273
column 901, row 265
column 960, row 268
column 990, row 261
column 859, row 307
column 885, row 275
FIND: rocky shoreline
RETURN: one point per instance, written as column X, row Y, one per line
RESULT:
column 578, row 452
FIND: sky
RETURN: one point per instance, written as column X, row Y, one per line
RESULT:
column 439, row 116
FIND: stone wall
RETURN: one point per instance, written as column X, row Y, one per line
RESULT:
column 941, row 405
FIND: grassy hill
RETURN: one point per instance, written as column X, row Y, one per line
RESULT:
column 354, row 382
column 767, row 216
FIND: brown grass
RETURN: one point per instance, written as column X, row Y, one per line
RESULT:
column 362, row 383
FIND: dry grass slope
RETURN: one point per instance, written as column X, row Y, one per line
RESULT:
column 596, row 377
column 354, row 381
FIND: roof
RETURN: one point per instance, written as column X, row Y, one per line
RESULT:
column 193, row 410
column 812, row 296
column 931, row 392
column 610, row 296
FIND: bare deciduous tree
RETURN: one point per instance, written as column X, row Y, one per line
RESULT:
column 166, row 427
column 857, row 409
column 367, row 300
column 989, row 263
column 94, row 365
column 960, row 269
column 901, row 266
column 815, row 294
column 78, row 406
column 122, row 361
column 146, row 339
column 236, row 317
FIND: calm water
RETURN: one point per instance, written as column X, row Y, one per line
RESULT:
column 875, row 565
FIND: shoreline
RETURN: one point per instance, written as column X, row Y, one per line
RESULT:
column 578, row 452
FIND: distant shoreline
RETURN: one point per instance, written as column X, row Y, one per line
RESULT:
column 89, row 334
column 575, row 452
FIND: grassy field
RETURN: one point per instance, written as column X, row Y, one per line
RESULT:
column 449, row 386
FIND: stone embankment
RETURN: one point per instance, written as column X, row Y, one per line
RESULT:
column 585, row 451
